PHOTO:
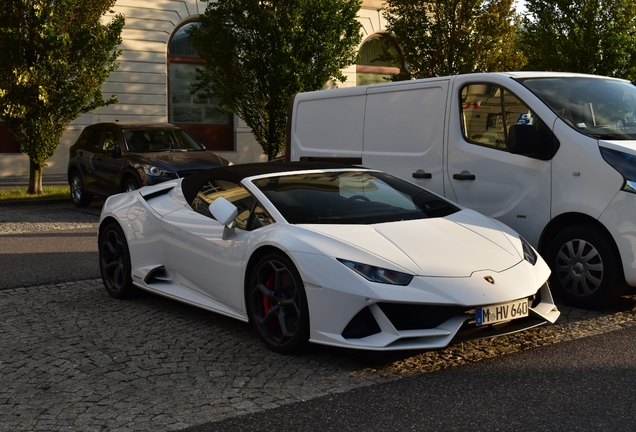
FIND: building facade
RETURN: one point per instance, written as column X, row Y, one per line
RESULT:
column 152, row 84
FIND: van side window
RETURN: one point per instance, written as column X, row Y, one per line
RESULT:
column 488, row 111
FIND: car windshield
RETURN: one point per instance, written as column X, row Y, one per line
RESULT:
column 350, row 197
column 597, row 107
column 159, row 140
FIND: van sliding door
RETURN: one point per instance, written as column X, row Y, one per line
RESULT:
column 404, row 132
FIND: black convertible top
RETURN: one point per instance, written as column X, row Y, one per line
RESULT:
column 191, row 185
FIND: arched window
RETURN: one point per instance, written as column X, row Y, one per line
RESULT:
column 371, row 70
column 196, row 114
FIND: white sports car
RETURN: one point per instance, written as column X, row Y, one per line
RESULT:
column 341, row 256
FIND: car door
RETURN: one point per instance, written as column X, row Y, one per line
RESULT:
column 483, row 173
column 108, row 162
column 87, row 148
column 208, row 256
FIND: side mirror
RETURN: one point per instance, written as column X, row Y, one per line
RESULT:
column 527, row 141
column 224, row 211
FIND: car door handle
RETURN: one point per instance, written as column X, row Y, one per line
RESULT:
column 98, row 160
column 464, row 175
column 421, row 174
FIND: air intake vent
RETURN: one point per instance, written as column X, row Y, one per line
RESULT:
column 362, row 325
column 417, row 317
column 158, row 276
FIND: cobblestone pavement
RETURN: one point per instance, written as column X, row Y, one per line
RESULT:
column 73, row 358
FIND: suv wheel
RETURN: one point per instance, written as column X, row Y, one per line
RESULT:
column 80, row 197
column 131, row 184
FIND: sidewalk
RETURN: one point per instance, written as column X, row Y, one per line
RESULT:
column 23, row 181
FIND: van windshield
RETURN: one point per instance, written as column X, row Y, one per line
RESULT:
column 598, row 107
column 350, row 197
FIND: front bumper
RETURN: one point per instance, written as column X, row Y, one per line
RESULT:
column 430, row 313
column 620, row 220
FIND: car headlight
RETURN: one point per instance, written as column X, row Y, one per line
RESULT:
column 156, row 172
column 625, row 164
column 528, row 252
column 378, row 274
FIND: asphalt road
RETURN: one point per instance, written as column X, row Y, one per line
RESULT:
column 582, row 385
column 46, row 244
column 72, row 358
column 48, row 257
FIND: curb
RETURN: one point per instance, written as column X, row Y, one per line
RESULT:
column 34, row 202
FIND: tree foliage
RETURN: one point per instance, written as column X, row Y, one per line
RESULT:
column 55, row 56
column 259, row 53
column 588, row 36
column 448, row 37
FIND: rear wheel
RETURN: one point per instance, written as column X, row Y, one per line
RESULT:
column 277, row 304
column 586, row 269
column 114, row 262
column 78, row 194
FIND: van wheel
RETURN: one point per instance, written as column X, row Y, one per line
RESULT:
column 586, row 269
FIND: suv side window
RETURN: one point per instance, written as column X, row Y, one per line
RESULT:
column 488, row 111
column 94, row 140
column 250, row 214
column 109, row 140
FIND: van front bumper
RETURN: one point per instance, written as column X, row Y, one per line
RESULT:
column 620, row 220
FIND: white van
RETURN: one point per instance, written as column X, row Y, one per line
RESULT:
column 553, row 155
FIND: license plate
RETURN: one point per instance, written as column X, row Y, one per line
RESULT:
column 501, row 312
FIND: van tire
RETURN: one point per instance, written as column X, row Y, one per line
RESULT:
column 586, row 268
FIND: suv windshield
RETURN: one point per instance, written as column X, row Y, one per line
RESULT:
column 158, row 140
column 597, row 107
column 350, row 197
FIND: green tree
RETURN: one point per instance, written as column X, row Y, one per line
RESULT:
column 588, row 36
column 259, row 53
column 448, row 37
column 54, row 57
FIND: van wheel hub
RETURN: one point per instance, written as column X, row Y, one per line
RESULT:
column 579, row 267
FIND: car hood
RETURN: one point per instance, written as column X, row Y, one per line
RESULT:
column 454, row 246
column 180, row 160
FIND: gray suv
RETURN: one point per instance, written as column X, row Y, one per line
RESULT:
column 109, row 158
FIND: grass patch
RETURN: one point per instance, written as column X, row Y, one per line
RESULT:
column 20, row 193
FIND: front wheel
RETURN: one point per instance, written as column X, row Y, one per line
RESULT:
column 586, row 269
column 131, row 184
column 277, row 304
column 114, row 262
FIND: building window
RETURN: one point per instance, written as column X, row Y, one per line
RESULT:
column 8, row 144
column 200, row 116
column 370, row 69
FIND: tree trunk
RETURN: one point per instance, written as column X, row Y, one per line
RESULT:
column 35, row 178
